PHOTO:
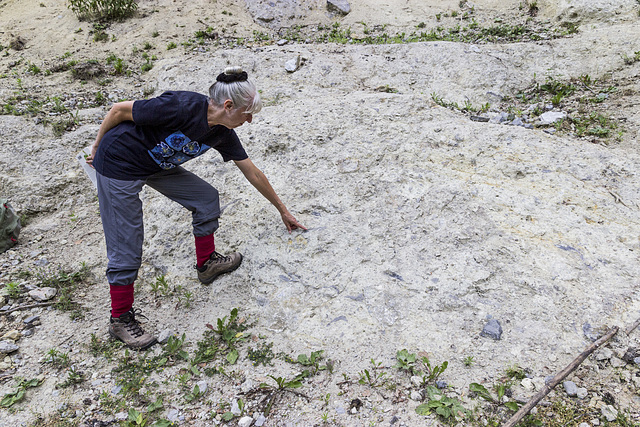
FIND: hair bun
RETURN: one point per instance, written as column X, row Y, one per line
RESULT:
column 232, row 74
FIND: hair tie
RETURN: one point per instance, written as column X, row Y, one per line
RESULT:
column 232, row 74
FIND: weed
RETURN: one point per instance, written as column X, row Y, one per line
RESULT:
column 147, row 46
column 410, row 363
column 13, row 289
column 194, row 395
column 500, row 388
column 261, row 355
column 185, row 297
column 106, row 349
column 173, row 348
column 119, row 67
column 148, row 65
column 18, row 394
column 32, row 68
column 75, row 377
column 57, row 358
column 171, row 45
column 446, row 408
column 103, row 10
column 313, row 362
column 375, row 378
column 468, row 361
column 231, row 331
column 207, row 349
column 633, row 59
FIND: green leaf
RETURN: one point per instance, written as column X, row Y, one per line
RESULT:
column 501, row 390
column 162, row 423
column 232, row 357
column 443, row 411
column 293, row 384
column 513, row 406
column 303, row 359
column 423, row 409
column 133, row 415
column 227, row 416
column 12, row 397
column 155, row 405
column 481, row 391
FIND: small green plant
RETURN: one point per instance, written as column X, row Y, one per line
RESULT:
column 147, row 46
column 75, row 377
column 194, row 395
column 171, row 45
column 57, row 358
column 18, row 394
column 107, row 349
column 446, row 408
column 13, row 289
column 261, row 355
column 468, row 361
column 374, row 378
column 103, row 10
column 119, row 67
column 482, row 392
column 173, row 348
column 231, row 331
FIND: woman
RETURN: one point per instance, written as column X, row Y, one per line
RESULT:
column 145, row 142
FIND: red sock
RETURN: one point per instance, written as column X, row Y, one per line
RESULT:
column 205, row 246
column 121, row 299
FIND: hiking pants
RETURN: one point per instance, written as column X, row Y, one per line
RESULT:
column 121, row 214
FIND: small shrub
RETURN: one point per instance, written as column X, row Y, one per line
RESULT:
column 103, row 10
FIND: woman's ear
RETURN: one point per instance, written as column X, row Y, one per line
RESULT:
column 228, row 104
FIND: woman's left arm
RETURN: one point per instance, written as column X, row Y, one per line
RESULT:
column 261, row 183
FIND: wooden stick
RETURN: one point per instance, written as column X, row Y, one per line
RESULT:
column 632, row 327
column 24, row 307
column 515, row 419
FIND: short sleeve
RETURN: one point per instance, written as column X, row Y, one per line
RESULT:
column 231, row 148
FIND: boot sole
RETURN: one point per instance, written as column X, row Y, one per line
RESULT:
column 212, row 278
column 128, row 345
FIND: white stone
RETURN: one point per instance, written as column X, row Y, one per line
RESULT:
column 245, row 421
column 609, row 412
column 416, row 395
column 292, row 64
column 527, row 384
column 43, row 294
column 551, row 117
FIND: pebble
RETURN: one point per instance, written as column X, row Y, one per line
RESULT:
column 551, row 117
column 441, row 384
column 245, row 421
column 202, row 386
column 581, row 392
column 617, row 363
column 479, row 119
column 235, row 408
column 12, row 335
column 527, row 384
column 340, row 6
column 31, row 320
column 163, row 337
column 260, row 420
column 292, row 64
column 571, row 388
column 492, row 330
column 517, row 122
column 7, row 347
column 416, row 380
column 604, row 354
column 415, row 395
column 121, row 416
column 609, row 412
column 636, row 360
column 247, row 385
column 282, row 42
column 340, row 410
column 43, row 294
column 174, row 415
column 584, row 425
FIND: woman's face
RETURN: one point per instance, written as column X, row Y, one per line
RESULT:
column 236, row 117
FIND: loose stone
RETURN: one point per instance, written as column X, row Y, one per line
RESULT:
column 7, row 347
column 245, row 421
column 609, row 412
column 551, row 117
column 260, row 421
column 12, row 335
column 415, row 395
column 340, row 6
column 43, row 294
column 282, row 42
column 479, row 119
column 581, row 392
column 492, row 330
column 571, row 388
column 163, row 337
column 292, row 64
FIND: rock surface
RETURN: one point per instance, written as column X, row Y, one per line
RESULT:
column 421, row 221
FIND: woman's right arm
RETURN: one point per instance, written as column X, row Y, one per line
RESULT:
column 119, row 112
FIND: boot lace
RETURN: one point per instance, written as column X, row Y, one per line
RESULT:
column 133, row 326
column 219, row 258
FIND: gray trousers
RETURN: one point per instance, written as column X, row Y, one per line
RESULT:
column 121, row 214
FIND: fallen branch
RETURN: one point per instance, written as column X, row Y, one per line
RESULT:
column 515, row 419
column 24, row 307
column 632, row 327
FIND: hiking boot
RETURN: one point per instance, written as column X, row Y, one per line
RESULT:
column 218, row 264
column 127, row 329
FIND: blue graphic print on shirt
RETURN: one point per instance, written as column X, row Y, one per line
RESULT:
column 175, row 150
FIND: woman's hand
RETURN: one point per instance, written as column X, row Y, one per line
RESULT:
column 291, row 223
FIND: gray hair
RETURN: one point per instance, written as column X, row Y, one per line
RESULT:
column 241, row 93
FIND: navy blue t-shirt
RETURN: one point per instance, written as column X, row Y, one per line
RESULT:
column 165, row 132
